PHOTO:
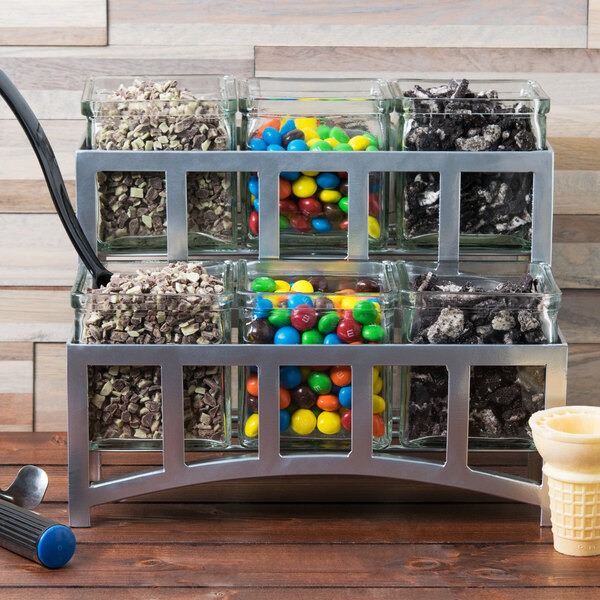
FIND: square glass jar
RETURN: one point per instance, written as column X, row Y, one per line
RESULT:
column 162, row 113
column 315, row 115
column 468, row 116
column 487, row 302
column 323, row 295
column 119, row 397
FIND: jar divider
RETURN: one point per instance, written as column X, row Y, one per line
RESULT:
column 177, row 221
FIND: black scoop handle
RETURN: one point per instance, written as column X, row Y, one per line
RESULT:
column 54, row 180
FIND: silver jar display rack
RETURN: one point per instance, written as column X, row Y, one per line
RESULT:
column 87, row 488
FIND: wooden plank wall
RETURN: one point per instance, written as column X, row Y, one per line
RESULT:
column 48, row 49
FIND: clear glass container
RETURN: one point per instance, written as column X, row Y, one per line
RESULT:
column 120, row 397
column 315, row 115
column 319, row 314
column 487, row 302
column 159, row 113
column 470, row 116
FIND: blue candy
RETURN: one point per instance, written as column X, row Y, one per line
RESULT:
column 328, row 181
column 255, row 204
column 284, row 420
column 287, row 127
column 332, row 338
column 297, row 146
column 275, row 147
column 290, row 377
column 257, row 144
column 263, row 307
column 253, row 369
column 253, row 185
column 290, row 175
column 297, row 299
column 321, row 225
column 271, row 136
column 287, row 335
column 345, row 396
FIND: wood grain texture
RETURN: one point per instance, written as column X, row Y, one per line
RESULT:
column 301, row 593
column 577, row 316
column 583, row 375
column 57, row 23
column 593, row 24
column 50, row 387
column 16, row 387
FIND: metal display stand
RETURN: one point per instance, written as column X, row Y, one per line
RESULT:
column 84, row 465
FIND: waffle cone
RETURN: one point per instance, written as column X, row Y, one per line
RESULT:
column 575, row 514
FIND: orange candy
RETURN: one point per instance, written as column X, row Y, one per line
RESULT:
column 328, row 402
column 284, row 398
column 378, row 426
column 348, row 291
column 285, row 188
column 341, row 376
column 274, row 123
column 252, row 385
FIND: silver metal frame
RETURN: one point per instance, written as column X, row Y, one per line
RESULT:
column 87, row 489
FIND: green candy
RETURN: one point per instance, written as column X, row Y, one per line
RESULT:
column 364, row 312
column 373, row 333
column 284, row 222
column 319, row 383
column 371, row 148
column 373, row 141
column 339, row 134
column 321, row 146
column 280, row 317
column 323, row 131
column 312, row 336
column 264, row 284
column 343, row 204
column 328, row 323
column 344, row 148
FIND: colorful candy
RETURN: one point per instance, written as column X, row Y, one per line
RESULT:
column 311, row 311
column 320, row 198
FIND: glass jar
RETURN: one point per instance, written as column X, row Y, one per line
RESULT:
column 311, row 305
column 125, row 406
column 316, row 115
column 160, row 113
column 488, row 302
column 469, row 116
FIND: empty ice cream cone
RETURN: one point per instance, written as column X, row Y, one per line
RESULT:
column 568, row 439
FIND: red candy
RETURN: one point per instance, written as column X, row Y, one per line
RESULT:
column 347, row 420
column 349, row 330
column 254, row 222
column 285, row 188
column 378, row 426
column 374, row 207
column 287, row 207
column 344, row 225
column 310, row 207
column 300, row 223
column 304, row 317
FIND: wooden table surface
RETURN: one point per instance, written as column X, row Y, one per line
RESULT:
column 172, row 546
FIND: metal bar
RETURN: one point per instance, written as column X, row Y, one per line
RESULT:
column 449, row 215
column 177, row 231
column 542, row 206
column 358, row 214
column 172, row 415
column 268, row 213
column 87, row 203
column 362, row 412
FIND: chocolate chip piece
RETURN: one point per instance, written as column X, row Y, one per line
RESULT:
column 367, row 285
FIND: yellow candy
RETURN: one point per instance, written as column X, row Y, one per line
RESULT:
column 377, row 385
column 348, row 302
column 373, row 227
column 251, row 427
column 304, row 122
column 332, row 141
column 329, row 423
column 310, row 143
column 376, row 372
column 306, row 371
column 305, row 187
column 282, row 286
column 330, row 196
column 310, row 134
column 337, row 301
column 304, row 421
column 378, row 404
column 303, row 286
column 359, row 142
column 275, row 299
column 310, row 173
